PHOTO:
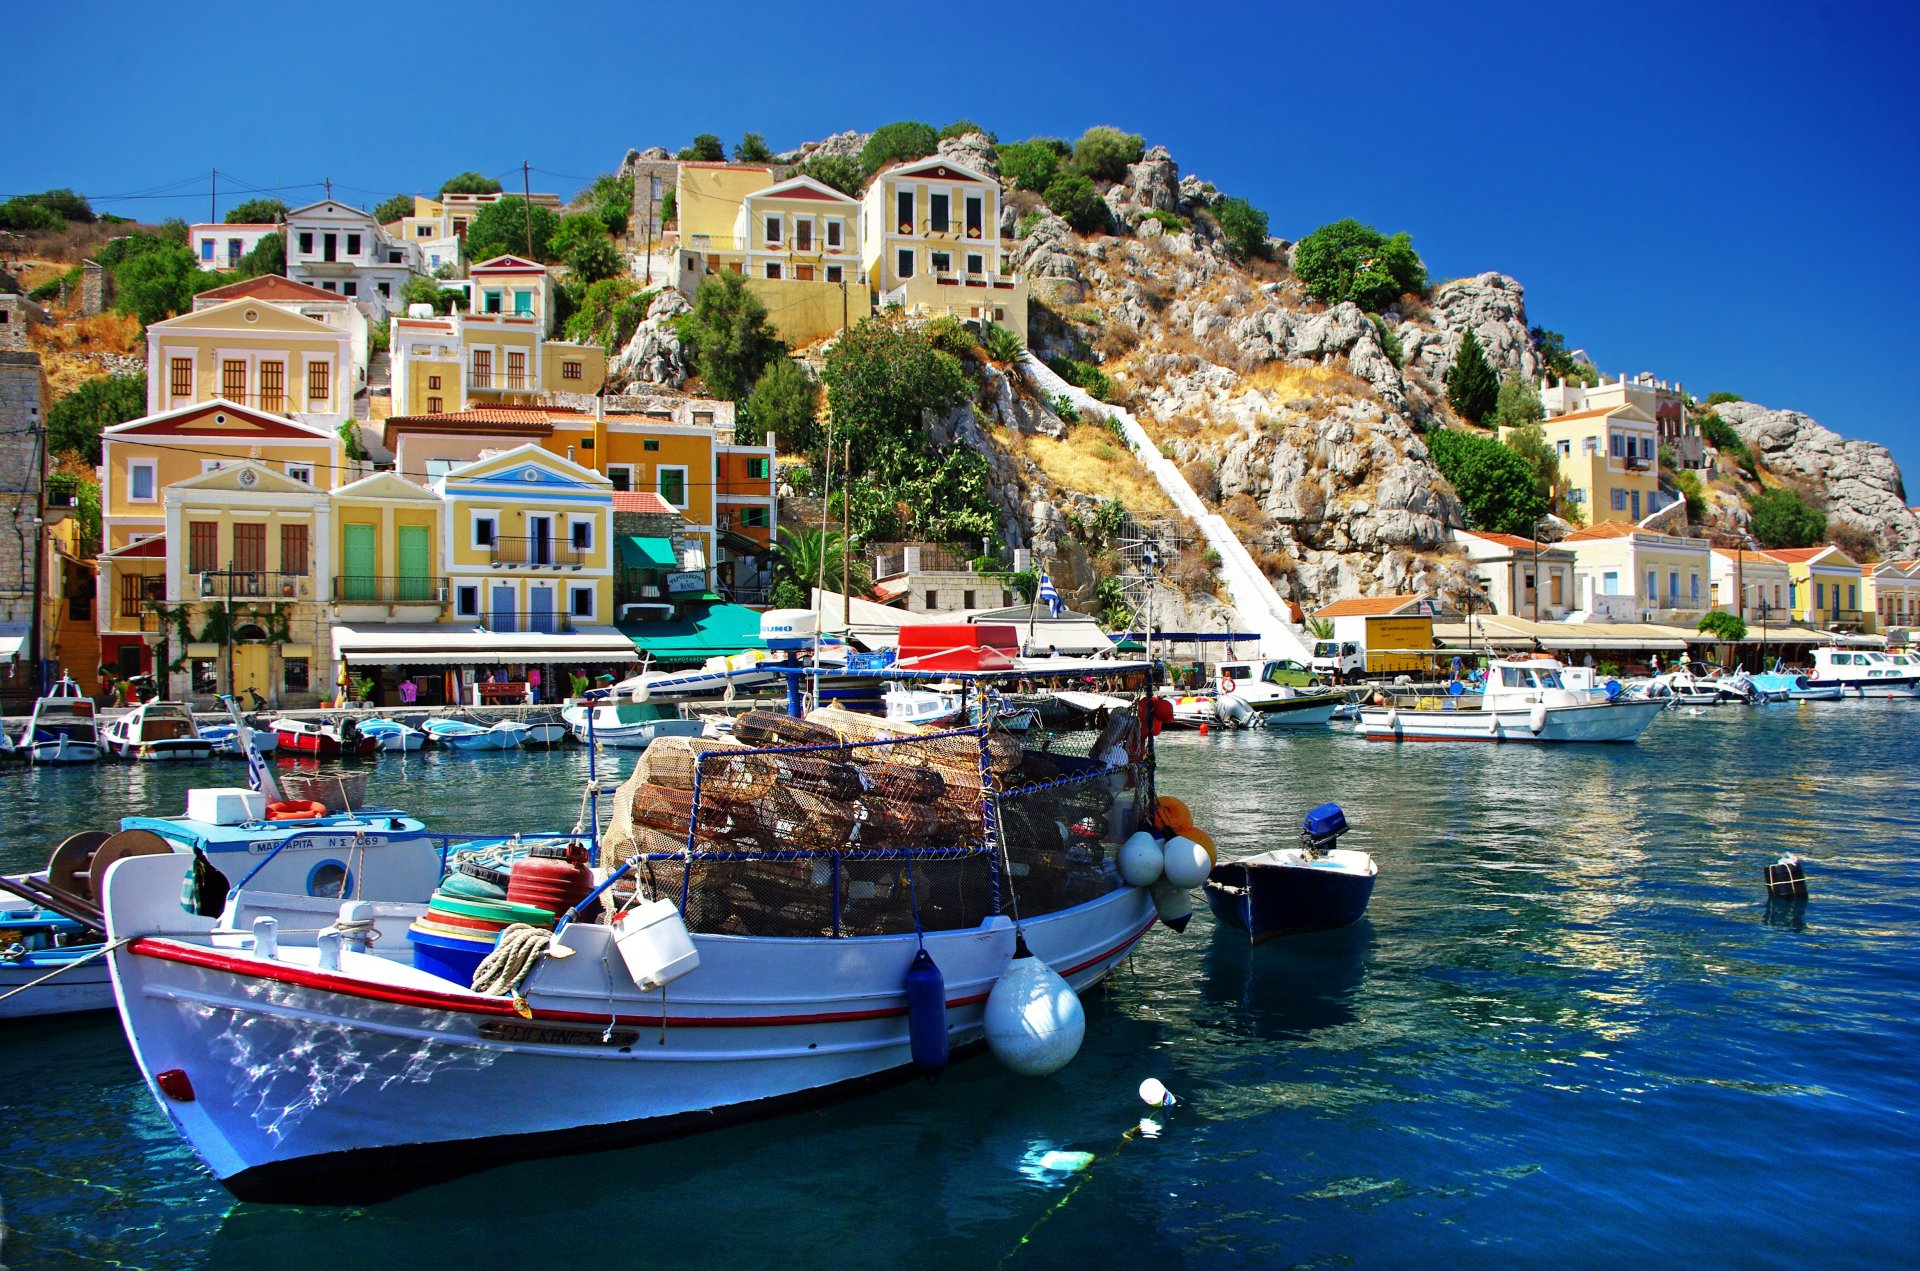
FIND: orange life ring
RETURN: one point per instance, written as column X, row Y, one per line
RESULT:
column 296, row 810
column 1227, row 685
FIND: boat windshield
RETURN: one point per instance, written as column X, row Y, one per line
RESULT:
column 1512, row 677
column 1547, row 678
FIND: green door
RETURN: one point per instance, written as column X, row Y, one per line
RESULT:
column 359, row 569
column 414, row 563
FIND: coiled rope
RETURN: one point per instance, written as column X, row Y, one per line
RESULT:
column 520, row 949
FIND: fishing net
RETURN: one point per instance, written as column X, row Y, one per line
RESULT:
column 843, row 824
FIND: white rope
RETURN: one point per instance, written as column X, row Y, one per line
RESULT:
column 102, row 951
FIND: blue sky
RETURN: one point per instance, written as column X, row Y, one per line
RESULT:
column 1722, row 194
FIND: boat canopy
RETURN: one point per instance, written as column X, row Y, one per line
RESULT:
column 428, row 644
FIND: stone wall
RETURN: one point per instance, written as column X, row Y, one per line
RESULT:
column 647, row 196
column 16, row 313
column 23, row 404
column 93, row 288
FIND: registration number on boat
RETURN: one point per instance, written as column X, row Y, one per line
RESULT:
column 316, row 843
column 555, row 1034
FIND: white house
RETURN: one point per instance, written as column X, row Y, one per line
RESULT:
column 1624, row 572
column 1525, row 578
column 220, row 247
column 344, row 250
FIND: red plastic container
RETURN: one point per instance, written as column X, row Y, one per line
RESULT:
column 957, row 646
column 556, row 878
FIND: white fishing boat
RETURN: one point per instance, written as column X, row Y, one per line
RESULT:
column 545, row 731
column 766, row 958
column 626, row 725
column 63, row 728
column 155, row 731
column 394, row 736
column 458, row 734
column 1862, row 673
column 1523, row 700
column 926, row 707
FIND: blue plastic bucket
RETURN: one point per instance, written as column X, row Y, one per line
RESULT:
column 449, row 957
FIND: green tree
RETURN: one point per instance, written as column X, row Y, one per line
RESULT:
column 500, row 229
column 256, row 212
column 1472, row 389
column 961, row 127
column 784, row 402
column 48, row 210
column 80, row 492
column 1495, row 486
column 608, row 312
column 706, row 148
column 752, row 149
column 392, row 208
column 1350, row 261
column 428, row 291
column 1530, row 442
column 809, row 555
column 837, row 171
column 1072, row 197
column 75, row 422
column 896, row 143
column 1105, row 154
column 1244, row 225
column 729, row 336
column 269, row 256
column 1557, row 360
column 580, row 243
column 469, row 183
column 1695, row 494
column 1517, row 404
column 612, row 200
column 158, row 284
column 1782, row 517
column 1721, row 625
column 1029, row 165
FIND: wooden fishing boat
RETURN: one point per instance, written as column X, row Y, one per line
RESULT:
column 1524, row 700
column 156, row 731
column 1316, row 886
column 62, row 729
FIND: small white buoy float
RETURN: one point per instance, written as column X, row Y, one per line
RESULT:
column 1537, row 719
column 1186, row 863
column 1141, row 859
column 1173, row 903
column 1154, row 1093
column 1034, row 1019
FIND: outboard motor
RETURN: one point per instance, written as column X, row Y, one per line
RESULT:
column 1320, row 832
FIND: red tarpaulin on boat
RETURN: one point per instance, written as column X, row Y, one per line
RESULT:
column 957, row 646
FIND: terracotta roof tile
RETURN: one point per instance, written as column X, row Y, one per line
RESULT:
column 1606, row 529
column 1510, row 540
column 1365, row 606
column 269, row 287
column 642, row 501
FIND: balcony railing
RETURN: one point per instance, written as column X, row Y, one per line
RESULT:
column 535, row 553
column 1637, row 463
column 521, row 383
column 252, row 584
column 363, row 589
column 543, row 622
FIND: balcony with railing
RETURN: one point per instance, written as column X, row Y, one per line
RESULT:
column 252, row 584
column 538, row 621
column 367, row 589
column 501, row 382
column 534, row 552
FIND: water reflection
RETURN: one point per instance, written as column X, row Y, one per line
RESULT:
column 1285, row 988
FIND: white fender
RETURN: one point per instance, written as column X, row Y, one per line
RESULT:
column 1537, row 720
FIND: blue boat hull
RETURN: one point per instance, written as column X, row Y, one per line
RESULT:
column 1270, row 901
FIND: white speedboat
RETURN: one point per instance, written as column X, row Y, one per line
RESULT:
column 226, row 740
column 924, row 707
column 1862, row 673
column 156, row 731
column 393, row 735
column 626, row 725
column 545, row 731
column 1523, row 700
column 792, row 962
column 458, row 734
column 63, row 728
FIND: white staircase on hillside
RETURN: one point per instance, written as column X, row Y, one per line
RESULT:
column 1258, row 607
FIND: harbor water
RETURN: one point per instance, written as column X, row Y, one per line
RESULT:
column 1571, row 1032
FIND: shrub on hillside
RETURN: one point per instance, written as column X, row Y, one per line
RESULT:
column 898, row 142
column 607, row 313
column 269, row 256
column 783, row 402
column 1072, row 197
column 1029, row 165
column 469, row 183
column 1688, row 484
column 1083, row 375
column 427, row 291
column 256, row 212
column 580, row 242
column 160, row 283
column 951, row 336
column 1721, row 436
column 75, row 422
column 1495, row 486
column 501, row 228
column 961, row 127
column 1350, row 261
column 1104, row 154
column 391, row 209
column 706, row 148
column 1000, row 343
column 728, row 334
column 48, row 210
column 752, row 149
column 1244, row 225
column 837, row 171
column 1557, row 361
column 1782, row 517
column 1517, row 404
column 611, row 198
column 1715, row 399
column 1530, row 442
column 1856, row 541
column 1472, row 389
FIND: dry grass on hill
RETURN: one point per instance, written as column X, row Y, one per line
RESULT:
column 103, row 333
column 1286, row 381
column 1090, row 460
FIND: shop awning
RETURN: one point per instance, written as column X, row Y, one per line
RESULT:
column 13, row 638
column 640, row 552
column 740, row 545
column 428, row 644
column 717, row 631
column 1505, row 632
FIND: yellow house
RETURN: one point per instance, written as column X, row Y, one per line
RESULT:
column 1751, row 584
column 1609, row 463
column 248, row 550
column 1825, row 586
column 387, row 552
column 930, row 243
column 707, row 201
column 253, row 353
column 141, row 561
column 1891, row 594
column 1626, row 573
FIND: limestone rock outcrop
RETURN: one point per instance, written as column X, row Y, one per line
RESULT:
column 1153, row 184
column 1861, row 481
column 654, row 354
column 1495, row 306
column 972, row 150
column 846, row 144
column 1050, row 254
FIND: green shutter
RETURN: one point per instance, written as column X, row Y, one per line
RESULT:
column 359, row 566
column 415, row 558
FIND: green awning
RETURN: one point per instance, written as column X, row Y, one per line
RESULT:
column 701, row 634
column 637, row 552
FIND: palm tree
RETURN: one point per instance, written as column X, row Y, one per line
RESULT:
column 799, row 567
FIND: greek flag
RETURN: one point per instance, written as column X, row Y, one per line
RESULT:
column 1050, row 596
column 256, row 769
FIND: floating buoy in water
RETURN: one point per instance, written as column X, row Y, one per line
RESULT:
column 1034, row 1020
column 1786, row 880
column 1173, row 904
column 1155, row 1093
column 1205, row 840
column 927, row 1014
column 1141, row 860
column 1187, row 863
column 1203, row 728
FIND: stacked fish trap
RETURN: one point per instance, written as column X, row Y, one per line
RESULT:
column 843, row 824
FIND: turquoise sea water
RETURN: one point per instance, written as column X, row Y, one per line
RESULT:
column 1570, row 1033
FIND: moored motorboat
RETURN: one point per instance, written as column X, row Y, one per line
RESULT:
column 1861, row 672
column 545, row 730
column 784, row 891
column 626, row 725
column 155, row 731
column 393, row 735
column 1523, row 700
column 226, row 741
column 63, row 728
column 1317, row 886
column 458, row 734
column 339, row 738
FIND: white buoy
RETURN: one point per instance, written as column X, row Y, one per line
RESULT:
column 1538, row 719
column 1174, row 904
column 1187, row 863
column 1142, row 860
column 1155, row 1093
column 1034, row 1020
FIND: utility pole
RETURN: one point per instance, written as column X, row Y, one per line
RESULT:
column 526, row 189
column 329, row 189
column 846, row 538
column 650, row 183
column 213, row 197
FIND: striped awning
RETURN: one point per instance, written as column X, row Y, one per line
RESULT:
column 398, row 644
